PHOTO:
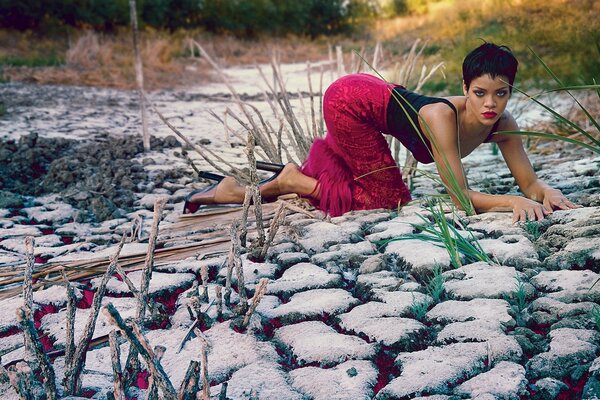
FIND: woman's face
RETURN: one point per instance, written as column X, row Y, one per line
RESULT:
column 487, row 98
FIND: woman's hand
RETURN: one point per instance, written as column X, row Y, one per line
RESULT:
column 555, row 200
column 528, row 210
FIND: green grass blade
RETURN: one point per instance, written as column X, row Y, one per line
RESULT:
column 560, row 117
column 576, row 87
column 552, row 136
column 547, row 68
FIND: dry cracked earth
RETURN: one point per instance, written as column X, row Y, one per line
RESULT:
column 348, row 313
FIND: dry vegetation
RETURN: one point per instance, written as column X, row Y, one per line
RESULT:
column 97, row 59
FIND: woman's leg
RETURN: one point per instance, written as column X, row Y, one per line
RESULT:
column 290, row 180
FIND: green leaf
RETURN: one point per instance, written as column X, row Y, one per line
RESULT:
column 554, row 137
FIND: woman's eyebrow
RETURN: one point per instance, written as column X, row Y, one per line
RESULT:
column 482, row 89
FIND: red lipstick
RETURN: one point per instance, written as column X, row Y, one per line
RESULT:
column 489, row 114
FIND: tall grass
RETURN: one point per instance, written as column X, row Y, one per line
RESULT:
column 593, row 140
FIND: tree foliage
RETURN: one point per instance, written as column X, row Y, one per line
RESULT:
column 246, row 18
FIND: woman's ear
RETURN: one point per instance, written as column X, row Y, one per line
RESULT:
column 465, row 90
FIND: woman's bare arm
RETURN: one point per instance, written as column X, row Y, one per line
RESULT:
column 443, row 126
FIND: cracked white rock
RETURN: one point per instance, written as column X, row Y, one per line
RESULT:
column 470, row 331
column 568, row 286
column 512, row 250
column 482, row 280
column 353, row 379
column 436, row 370
column 568, row 349
column 383, row 323
column 312, row 304
column 476, row 309
column 266, row 379
column 418, row 256
column 367, row 284
column 344, row 251
column 319, row 236
column 506, row 381
column 315, row 342
column 303, row 276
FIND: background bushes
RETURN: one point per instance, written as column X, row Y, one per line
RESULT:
column 244, row 18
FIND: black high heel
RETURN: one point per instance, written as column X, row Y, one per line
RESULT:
column 210, row 190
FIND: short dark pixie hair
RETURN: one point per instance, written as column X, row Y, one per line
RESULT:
column 489, row 58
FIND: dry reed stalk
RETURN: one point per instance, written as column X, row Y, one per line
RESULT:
column 139, row 341
column 244, row 222
column 128, row 282
column 28, row 280
column 200, row 150
column 223, row 393
column 264, row 139
column 256, row 197
column 139, row 74
column 341, row 68
column 230, row 261
column 189, row 384
column 269, row 151
column 159, row 205
column 37, row 349
column 295, row 144
column 204, row 364
column 259, row 292
column 301, row 139
column 115, row 358
column 311, row 98
column 71, row 308
column 73, row 371
column 204, row 277
column 236, row 260
column 22, row 380
column 136, row 228
column 376, row 55
column 275, row 224
column 219, row 300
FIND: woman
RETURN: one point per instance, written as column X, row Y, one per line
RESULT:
column 352, row 167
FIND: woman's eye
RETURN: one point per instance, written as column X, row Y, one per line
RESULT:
column 501, row 93
column 478, row 93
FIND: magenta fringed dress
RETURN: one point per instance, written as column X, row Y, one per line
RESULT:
column 353, row 162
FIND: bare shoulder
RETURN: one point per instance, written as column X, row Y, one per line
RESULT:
column 438, row 114
column 441, row 120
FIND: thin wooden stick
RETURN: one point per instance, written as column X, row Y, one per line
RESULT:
column 132, row 365
column 204, row 364
column 219, row 299
column 23, row 380
column 189, row 385
column 275, row 224
column 159, row 205
column 28, row 281
column 246, row 209
column 260, row 291
column 36, row 347
column 139, row 73
column 139, row 341
column 223, row 394
column 73, row 371
column 256, row 197
column 115, row 358
column 204, row 277
column 230, row 261
column 239, row 270
column 70, row 335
